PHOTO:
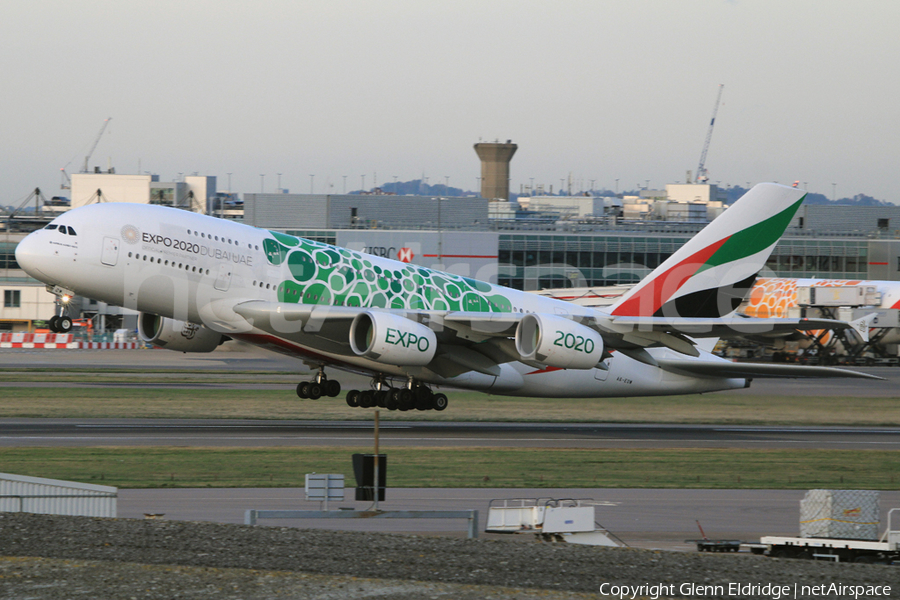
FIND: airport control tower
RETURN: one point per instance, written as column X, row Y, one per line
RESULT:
column 495, row 158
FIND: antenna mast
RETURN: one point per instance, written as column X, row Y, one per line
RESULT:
column 701, row 168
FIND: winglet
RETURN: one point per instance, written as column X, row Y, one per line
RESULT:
column 862, row 324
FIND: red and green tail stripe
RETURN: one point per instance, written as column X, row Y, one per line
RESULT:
column 656, row 291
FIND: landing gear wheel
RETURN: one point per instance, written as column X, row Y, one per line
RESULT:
column 392, row 403
column 332, row 388
column 367, row 399
column 405, row 396
column 406, row 400
column 303, row 389
column 439, row 402
column 381, row 397
column 53, row 324
column 315, row 391
column 64, row 324
column 422, row 394
column 353, row 398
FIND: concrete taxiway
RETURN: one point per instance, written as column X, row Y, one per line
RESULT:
column 646, row 518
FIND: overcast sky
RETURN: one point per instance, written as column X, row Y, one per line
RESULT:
column 599, row 89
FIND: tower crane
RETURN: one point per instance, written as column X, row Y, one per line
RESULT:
column 90, row 153
column 701, row 168
column 65, row 180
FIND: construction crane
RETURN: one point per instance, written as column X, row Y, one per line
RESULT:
column 90, row 153
column 702, row 176
column 65, row 180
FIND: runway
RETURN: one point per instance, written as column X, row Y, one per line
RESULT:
column 228, row 433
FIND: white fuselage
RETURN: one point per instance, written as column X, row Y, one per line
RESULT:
column 195, row 268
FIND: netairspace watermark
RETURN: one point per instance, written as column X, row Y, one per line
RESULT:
column 773, row 591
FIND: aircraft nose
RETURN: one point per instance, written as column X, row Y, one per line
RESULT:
column 28, row 255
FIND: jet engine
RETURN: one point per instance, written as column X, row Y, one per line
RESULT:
column 177, row 335
column 558, row 342
column 392, row 339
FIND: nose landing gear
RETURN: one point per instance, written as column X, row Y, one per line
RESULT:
column 61, row 323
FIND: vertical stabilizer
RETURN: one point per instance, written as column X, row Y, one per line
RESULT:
column 709, row 276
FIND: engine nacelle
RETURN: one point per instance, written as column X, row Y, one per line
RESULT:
column 177, row 335
column 558, row 342
column 392, row 339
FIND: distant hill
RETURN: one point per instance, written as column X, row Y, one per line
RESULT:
column 417, row 187
column 737, row 191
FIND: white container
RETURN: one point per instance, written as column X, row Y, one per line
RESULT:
column 845, row 514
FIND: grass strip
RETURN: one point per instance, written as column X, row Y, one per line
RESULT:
column 205, row 403
column 159, row 467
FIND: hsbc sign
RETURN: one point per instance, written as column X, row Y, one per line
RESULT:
column 385, row 251
column 403, row 254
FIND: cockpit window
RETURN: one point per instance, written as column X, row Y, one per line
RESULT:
column 51, row 227
column 72, row 231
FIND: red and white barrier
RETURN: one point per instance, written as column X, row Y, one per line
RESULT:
column 59, row 341
column 109, row 345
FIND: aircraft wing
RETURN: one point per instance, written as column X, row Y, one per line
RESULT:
column 466, row 341
column 328, row 326
column 481, row 341
column 715, row 368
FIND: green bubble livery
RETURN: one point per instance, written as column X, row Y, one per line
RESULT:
column 323, row 274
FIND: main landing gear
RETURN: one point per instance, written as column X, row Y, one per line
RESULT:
column 414, row 396
column 318, row 387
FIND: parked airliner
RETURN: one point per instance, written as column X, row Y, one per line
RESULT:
column 198, row 280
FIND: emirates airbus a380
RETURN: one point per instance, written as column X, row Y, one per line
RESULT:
column 199, row 280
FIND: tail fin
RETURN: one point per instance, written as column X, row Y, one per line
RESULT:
column 710, row 275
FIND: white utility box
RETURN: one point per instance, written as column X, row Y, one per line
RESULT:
column 324, row 487
column 571, row 521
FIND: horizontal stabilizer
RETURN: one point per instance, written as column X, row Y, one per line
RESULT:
column 717, row 368
column 728, row 327
column 861, row 326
